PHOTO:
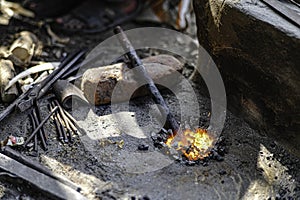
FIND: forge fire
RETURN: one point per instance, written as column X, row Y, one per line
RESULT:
column 194, row 145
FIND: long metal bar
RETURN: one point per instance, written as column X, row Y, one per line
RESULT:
column 34, row 127
column 57, row 125
column 142, row 74
column 41, row 135
column 39, row 117
column 65, row 120
column 40, row 125
column 25, row 100
column 61, row 125
column 22, row 159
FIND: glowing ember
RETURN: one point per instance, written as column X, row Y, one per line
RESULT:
column 194, row 145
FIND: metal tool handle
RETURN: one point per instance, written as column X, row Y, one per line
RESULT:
column 41, row 88
column 26, row 100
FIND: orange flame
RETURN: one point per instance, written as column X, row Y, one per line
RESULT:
column 194, row 145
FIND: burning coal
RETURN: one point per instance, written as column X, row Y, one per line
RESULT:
column 194, row 145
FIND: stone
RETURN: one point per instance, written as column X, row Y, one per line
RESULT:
column 143, row 147
column 99, row 83
column 257, row 52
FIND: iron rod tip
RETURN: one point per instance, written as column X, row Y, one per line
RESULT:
column 117, row 29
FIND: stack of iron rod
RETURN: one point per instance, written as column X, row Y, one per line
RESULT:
column 64, row 123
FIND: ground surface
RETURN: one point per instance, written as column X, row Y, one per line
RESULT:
column 107, row 168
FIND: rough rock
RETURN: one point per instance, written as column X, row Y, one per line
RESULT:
column 257, row 52
column 99, row 83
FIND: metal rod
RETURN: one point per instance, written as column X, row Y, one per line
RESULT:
column 68, row 119
column 62, row 124
column 24, row 101
column 60, row 72
column 64, row 118
column 57, row 125
column 39, row 116
column 40, row 132
column 72, row 70
column 35, row 136
column 143, row 76
column 73, row 127
column 40, row 125
column 73, row 122
column 62, row 114
column 9, row 109
column 64, row 133
column 20, row 158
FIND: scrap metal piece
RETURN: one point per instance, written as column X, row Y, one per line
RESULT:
column 54, row 37
column 39, row 79
column 32, row 70
column 7, row 72
column 26, row 99
column 24, row 48
column 11, row 9
column 4, row 51
column 67, row 93
column 17, row 8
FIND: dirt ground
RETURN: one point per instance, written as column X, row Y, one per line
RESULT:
column 253, row 165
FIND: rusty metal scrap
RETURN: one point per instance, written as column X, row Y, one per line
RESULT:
column 26, row 100
column 32, row 70
column 24, row 48
column 7, row 72
column 11, row 9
